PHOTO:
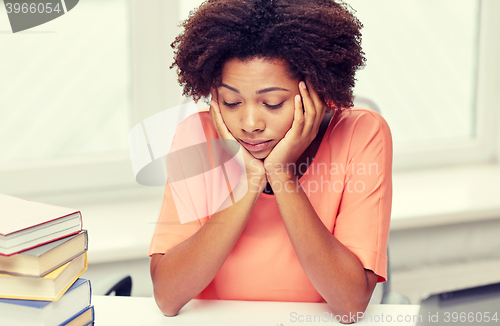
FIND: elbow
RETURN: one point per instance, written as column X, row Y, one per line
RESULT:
column 167, row 307
column 353, row 306
column 169, row 311
column 350, row 316
column 351, row 312
column 165, row 302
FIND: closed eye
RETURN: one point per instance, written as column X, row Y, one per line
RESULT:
column 230, row 104
column 274, row 106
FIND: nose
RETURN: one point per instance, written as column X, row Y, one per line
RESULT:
column 252, row 120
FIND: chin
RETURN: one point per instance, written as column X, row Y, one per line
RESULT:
column 260, row 156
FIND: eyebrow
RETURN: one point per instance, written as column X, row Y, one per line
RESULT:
column 262, row 91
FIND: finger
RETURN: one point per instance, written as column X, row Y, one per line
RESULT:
column 215, row 117
column 211, row 110
column 310, row 113
column 214, row 121
column 223, row 131
column 319, row 105
column 317, row 100
column 298, row 117
column 215, row 98
column 219, row 124
column 215, row 95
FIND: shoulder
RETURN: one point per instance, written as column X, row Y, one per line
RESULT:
column 361, row 117
column 194, row 129
column 359, row 123
column 196, row 120
column 359, row 130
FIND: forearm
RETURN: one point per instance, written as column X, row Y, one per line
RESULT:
column 333, row 269
column 185, row 270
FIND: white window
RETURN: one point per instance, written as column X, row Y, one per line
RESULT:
column 65, row 98
column 66, row 85
column 429, row 69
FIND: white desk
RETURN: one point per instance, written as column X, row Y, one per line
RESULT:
column 139, row 311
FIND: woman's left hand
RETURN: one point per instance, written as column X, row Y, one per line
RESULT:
column 304, row 129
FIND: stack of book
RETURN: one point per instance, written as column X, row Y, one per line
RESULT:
column 43, row 252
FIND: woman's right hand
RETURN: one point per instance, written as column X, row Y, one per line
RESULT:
column 256, row 174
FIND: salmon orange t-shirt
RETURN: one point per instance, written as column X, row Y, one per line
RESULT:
column 348, row 183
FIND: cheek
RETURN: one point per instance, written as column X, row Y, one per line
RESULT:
column 229, row 119
column 287, row 119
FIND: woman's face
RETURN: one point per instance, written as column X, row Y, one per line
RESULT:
column 256, row 99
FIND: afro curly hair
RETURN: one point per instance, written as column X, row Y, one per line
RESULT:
column 319, row 39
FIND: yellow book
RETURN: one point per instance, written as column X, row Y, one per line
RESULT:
column 48, row 288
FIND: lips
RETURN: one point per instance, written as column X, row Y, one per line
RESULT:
column 255, row 145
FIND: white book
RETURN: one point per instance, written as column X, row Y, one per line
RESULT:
column 26, row 224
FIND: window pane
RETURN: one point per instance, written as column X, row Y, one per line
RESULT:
column 421, row 67
column 65, row 85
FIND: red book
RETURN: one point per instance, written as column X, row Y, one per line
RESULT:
column 25, row 224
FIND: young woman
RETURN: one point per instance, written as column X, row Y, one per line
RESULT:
column 312, row 220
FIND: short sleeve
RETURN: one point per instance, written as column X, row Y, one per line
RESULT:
column 363, row 218
column 169, row 231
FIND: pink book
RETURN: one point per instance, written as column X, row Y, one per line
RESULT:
column 25, row 224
